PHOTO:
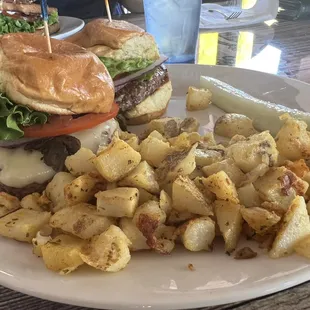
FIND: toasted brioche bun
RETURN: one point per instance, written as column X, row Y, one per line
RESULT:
column 52, row 28
column 118, row 39
column 152, row 107
column 25, row 8
column 71, row 80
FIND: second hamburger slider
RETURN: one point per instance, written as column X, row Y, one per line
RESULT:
column 25, row 16
column 142, row 84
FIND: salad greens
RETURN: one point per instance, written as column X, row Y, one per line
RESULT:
column 116, row 67
column 12, row 116
column 10, row 25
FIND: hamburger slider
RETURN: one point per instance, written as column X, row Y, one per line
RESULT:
column 51, row 105
column 142, row 85
column 25, row 16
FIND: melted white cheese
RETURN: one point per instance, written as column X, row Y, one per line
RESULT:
column 19, row 168
column 97, row 136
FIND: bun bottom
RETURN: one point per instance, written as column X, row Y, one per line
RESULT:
column 150, row 108
column 146, row 118
column 52, row 28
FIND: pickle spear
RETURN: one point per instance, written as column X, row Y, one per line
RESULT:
column 265, row 115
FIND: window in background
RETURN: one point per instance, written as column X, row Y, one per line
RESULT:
column 248, row 4
column 244, row 47
column 208, row 46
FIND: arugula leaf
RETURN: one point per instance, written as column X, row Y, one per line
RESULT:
column 10, row 25
column 116, row 67
column 12, row 116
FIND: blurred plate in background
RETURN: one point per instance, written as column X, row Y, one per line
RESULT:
column 68, row 27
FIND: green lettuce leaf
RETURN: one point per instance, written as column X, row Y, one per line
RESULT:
column 10, row 25
column 116, row 67
column 12, row 116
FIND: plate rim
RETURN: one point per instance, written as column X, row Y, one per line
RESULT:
column 63, row 35
column 271, row 287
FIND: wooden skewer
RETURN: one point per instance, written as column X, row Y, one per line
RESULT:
column 48, row 38
column 107, row 5
column 45, row 21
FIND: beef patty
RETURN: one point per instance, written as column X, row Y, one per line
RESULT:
column 137, row 90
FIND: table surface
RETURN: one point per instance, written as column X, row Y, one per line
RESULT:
column 279, row 47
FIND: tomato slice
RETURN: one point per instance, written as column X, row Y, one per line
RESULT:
column 58, row 125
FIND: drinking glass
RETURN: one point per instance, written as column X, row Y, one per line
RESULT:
column 175, row 26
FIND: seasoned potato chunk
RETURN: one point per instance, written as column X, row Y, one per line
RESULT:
column 43, row 236
column 189, row 124
column 157, row 135
column 8, row 204
column 209, row 196
column 169, row 127
column 175, row 164
column 232, row 124
column 131, row 139
column 108, row 251
column 299, row 167
column 82, row 189
column 235, row 139
column 138, row 241
column 145, row 196
column 249, row 196
column 293, row 139
column 62, row 254
column 186, row 197
column 55, row 189
column 81, row 220
column 208, row 140
column 81, row 162
column 147, row 148
column 198, row 234
column 185, row 140
column 118, row 202
column 209, row 156
column 165, row 202
column 23, row 224
column 117, row 160
column 36, row 202
column 302, row 247
column 255, row 174
column 221, row 185
column 148, row 218
column 198, row 99
column 294, row 227
column 230, row 222
column 197, row 173
column 165, row 239
column 143, row 176
column 176, row 218
column 229, row 167
column 257, row 149
column 280, row 186
column 261, row 220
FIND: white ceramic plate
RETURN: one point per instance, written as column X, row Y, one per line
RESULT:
column 164, row 282
column 68, row 27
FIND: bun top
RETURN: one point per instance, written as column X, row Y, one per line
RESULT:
column 24, row 6
column 71, row 80
column 103, row 32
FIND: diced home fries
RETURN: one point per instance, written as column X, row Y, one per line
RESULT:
column 198, row 99
column 171, row 185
